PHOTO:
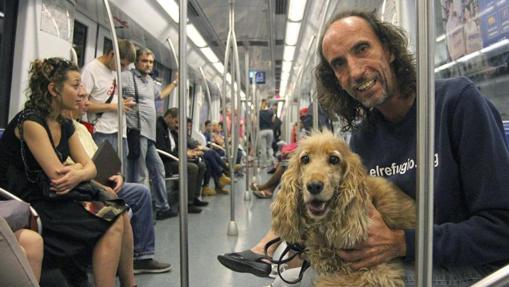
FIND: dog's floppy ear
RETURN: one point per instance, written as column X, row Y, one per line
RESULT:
column 285, row 208
column 353, row 203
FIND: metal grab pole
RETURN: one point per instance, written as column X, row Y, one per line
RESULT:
column 315, row 92
column 425, row 142
column 254, row 97
column 231, row 153
column 182, row 143
column 174, row 52
column 120, row 102
column 248, row 137
column 207, row 90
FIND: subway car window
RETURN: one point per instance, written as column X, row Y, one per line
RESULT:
column 473, row 41
column 8, row 12
column 108, row 45
column 79, row 41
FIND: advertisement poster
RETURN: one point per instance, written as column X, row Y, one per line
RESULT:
column 494, row 15
column 462, row 27
column 57, row 18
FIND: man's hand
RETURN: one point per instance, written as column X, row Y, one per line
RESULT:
column 383, row 244
column 119, row 182
column 129, row 103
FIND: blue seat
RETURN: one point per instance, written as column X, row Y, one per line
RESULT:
column 1, row 132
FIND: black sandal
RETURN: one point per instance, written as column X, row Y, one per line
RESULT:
column 247, row 262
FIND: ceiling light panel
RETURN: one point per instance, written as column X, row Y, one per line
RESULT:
column 195, row 36
column 296, row 10
column 211, row 56
column 171, row 8
column 292, row 33
column 288, row 53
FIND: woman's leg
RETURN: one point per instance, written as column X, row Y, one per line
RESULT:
column 105, row 258
column 125, row 266
column 32, row 245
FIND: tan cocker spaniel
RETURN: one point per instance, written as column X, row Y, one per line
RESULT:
column 323, row 205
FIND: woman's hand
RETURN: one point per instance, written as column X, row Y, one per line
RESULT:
column 69, row 177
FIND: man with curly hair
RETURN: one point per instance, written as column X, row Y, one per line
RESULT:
column 366, row 76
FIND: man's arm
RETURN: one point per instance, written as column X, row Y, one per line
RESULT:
column 166, row 91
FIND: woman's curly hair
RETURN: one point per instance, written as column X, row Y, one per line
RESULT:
column 337, row 101
column 41, row 74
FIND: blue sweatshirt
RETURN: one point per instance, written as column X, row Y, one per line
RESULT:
column 471, row 175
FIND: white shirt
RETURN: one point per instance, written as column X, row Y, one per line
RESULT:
column 99, row 81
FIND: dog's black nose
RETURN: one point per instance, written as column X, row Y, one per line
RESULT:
column 315, row 187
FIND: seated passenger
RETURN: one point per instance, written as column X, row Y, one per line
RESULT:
column 167, row 140
column 32, row 151
column 136, row 195
column 215, row 164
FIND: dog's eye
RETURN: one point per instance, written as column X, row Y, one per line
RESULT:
column 304, row 159
column 333, row 159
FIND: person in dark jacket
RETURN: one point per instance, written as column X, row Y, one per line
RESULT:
column 167, row 140
column 366, row 76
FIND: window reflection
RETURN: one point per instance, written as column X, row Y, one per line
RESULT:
column 475, row 44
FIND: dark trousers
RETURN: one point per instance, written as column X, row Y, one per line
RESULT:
column 195, row 174
column 215, row 166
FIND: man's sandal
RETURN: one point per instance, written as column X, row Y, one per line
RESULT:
column 247, row 262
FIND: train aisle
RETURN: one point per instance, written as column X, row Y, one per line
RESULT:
column 207, row 239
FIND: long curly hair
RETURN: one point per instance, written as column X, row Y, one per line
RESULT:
column 335, row 100
column 41, row 74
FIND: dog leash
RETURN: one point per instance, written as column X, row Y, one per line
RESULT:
column 297, row 249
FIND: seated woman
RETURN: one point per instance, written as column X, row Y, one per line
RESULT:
column 32, row 151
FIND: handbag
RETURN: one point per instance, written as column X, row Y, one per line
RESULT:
column 134, row 134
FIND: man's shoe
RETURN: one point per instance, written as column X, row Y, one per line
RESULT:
column 224, row 180
column 198, row 202
column 150, row 266
column 163, row 214
column 208, row 191
column 193, row 209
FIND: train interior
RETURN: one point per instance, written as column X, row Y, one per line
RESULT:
column 275, row 42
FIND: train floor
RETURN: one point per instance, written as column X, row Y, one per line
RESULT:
column 207, row 234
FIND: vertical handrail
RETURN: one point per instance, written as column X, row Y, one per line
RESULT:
column 256, row 129
column 207, row 90
column 314, row 94
column 425, row 141
column 271, row 44
column 248, row 136
column 231, row 153
column 120, row 102
column 174, row 53
column 182, row 143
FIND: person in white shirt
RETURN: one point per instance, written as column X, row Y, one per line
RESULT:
column 99, row 78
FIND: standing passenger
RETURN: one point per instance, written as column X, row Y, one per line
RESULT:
column 143, row 117
column 99, row 78
column 265, row 120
